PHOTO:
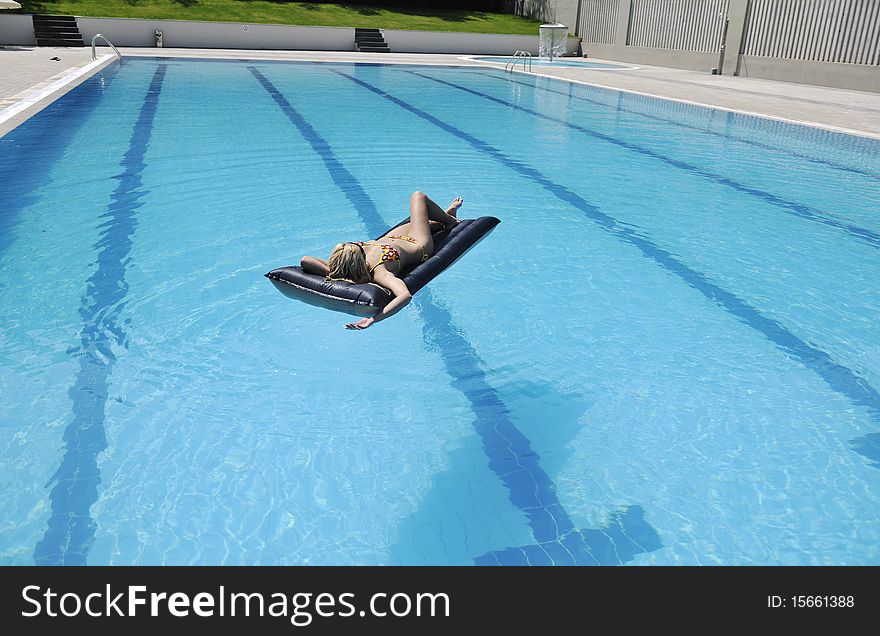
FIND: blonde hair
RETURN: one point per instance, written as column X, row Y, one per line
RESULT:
column 349, row 263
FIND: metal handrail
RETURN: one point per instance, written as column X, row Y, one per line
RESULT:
column 511, row 60
column 115, row 50
column 519, row 55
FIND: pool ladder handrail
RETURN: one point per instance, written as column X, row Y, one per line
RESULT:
column 519, row 55
column 103, row 37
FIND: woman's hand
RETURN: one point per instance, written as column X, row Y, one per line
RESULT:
column 361, row 324
column 385, row 279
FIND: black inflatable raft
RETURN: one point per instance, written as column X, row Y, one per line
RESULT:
column 368, row 298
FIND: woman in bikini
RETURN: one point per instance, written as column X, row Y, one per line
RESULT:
column 383, row 260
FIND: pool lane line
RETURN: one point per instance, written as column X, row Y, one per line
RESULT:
column 791, row 207
column 714, row 133
column 839, row 378
column 509, row 452
column 869, row 446
column 71, row 530
column 511, row 458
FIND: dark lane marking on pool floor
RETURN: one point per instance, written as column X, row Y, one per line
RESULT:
column 838, row 377
column 795, row 209
column 699, row 129
column 71, row 531
column 510, row 454
column 869, row 446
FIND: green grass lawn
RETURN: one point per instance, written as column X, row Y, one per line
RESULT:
column 302, row 13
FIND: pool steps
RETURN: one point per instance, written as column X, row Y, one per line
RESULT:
column 370, row 41
column 57, row 30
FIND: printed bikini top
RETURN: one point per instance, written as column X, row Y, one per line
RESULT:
column 389, row 253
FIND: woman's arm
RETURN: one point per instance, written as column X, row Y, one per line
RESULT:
column 312, row 265
column 401, row 298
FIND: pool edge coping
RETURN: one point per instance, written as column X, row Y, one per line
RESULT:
column 30, row 104
column 613, row 66
column 34, row 99
column 728, row 109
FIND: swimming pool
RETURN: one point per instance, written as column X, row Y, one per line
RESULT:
column 666, row 353
column 557, row 62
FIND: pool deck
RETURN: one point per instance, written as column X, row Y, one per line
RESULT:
column 30, row 80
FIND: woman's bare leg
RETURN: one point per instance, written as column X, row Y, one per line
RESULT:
column 422, row 210
column 419, row 215
column 436, row 213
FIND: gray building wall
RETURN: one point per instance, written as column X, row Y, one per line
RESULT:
column 466, row 43
column 210, row 35
column 18, row 29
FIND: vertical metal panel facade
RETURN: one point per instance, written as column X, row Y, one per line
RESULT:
column 814, row 30
column 684, row 25
column 598, row 20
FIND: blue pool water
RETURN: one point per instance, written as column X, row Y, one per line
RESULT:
column 667, row 353
column 567, row 62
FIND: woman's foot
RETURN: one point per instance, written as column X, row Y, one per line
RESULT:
column 452, row 210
